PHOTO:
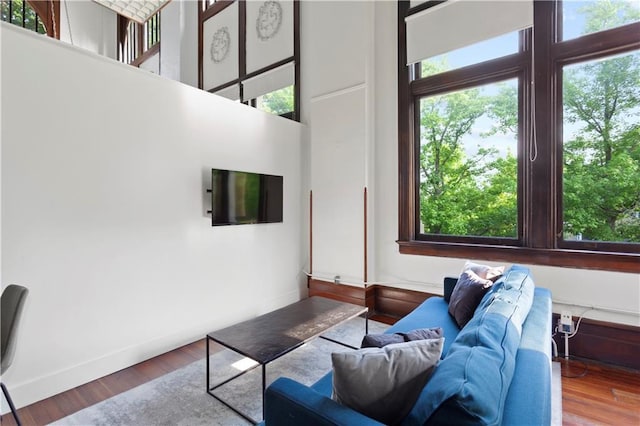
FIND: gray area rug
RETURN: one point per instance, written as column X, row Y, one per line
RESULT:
column 179, row 398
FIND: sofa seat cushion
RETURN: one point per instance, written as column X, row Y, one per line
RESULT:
column 431, row 313
column 471, row 383
column 290, row 403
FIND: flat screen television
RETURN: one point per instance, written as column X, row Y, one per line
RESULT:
column 241, row 197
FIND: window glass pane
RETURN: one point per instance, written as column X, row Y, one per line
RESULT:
column 29, row 18
column 16, row 12
column 479, row 52
column 4, row 10
column 11, row 11
column 152, row 31
column 601, row 176
column 278, row 102
column 41, row 28
column 468, row 162
column 585, row 17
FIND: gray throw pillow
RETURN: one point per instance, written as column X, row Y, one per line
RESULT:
column 384, row 383
column 381, row 340
column 466, row 296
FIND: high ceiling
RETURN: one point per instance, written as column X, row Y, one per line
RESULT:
column 137, row 10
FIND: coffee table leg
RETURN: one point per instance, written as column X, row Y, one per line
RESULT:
column 366, row 323
column 264, row 386
column 208, row 384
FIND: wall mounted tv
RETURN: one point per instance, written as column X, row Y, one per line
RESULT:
column 241, row 197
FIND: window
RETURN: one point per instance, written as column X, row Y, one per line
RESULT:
column 496, row 164
column 138, row 42
column 468, row 162
column 206, row 4
column 601, row 151
column 586, row 17
column 278, row 102
column 40, row 16
column 478, row 52
column 249, row 52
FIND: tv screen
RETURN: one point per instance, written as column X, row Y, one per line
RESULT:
column 241, row 197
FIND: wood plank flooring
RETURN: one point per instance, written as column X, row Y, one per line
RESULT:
column 596, row 394
column 592, row 393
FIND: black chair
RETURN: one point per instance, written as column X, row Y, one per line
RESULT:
column 13, row 298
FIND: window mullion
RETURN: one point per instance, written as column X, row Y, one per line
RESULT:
column 598, row 45
column 526, row 143
column 139, row 40
column 406, row 146
column 543, row 184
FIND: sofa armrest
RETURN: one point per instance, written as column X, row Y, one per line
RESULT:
column 288, row 402
column 449, row 284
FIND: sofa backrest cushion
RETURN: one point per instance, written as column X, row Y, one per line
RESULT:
column 470, row 384
column 449, row 286
column 533, row 367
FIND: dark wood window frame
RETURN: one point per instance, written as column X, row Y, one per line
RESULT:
column 142, row 52
column 540, row 238
column 206, row 11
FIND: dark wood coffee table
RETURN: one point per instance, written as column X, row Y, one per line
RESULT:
column 270, row 336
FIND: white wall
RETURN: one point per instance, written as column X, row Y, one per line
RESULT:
column 152, row 64
column 93, row 27
column 364, row 58
column 90, row 26
column 104, row 171
column 179, row 41
column 337, row 88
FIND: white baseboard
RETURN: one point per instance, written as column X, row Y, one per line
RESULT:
column 43, row 387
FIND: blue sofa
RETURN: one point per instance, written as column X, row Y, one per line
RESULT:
column 495, row 370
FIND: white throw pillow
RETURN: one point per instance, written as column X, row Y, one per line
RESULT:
column 384, row 383
column 484, row 271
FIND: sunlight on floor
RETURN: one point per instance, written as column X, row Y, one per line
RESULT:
column 244, row 364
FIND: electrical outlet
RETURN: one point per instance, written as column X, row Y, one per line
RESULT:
column 566, row 322
column 336, row 279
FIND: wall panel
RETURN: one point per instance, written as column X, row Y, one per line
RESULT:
column 338, row 138
column 104, row 213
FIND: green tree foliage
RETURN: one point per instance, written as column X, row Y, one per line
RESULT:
column 602, row 163
column 606, row 14
column 462, row 193
column 278, row 102
column 12, row 11
column 475, row 194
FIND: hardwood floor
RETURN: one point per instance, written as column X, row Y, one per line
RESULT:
column 597, row 394
column 592, row 393
column 61, row 405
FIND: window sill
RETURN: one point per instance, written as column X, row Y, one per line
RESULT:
column 580, row 259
